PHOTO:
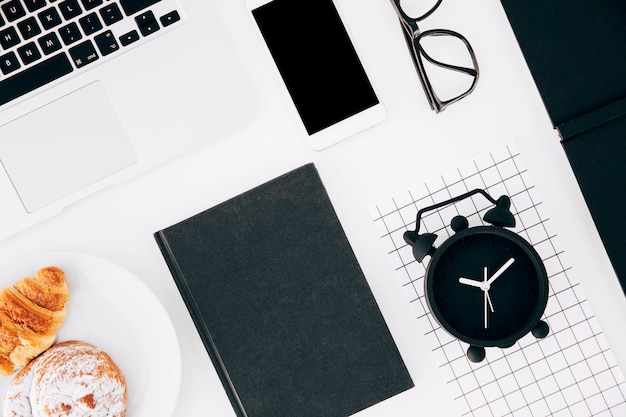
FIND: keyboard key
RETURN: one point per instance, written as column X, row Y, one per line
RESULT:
column 9, row 63
column 70, row 9
column 111, row 14
column 90, row 4
column 70, row 33
column 106, row 43
column 49, row 43
column 13, row 10
column 84, row 53
column 133, row 6
column 33, row 5
column 49, row 18
column 90, row 23
column 147, row 23
column 34, row 77
column 130, row 37
column 9, row 37
column 169, row 18
column 29, row 28
column 29, row 53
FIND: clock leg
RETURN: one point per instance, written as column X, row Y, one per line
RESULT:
column 475, row 354
column 541, row 330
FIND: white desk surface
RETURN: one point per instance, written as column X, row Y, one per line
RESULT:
column 413, row 143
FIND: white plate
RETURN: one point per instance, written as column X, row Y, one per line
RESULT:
column 111, row 308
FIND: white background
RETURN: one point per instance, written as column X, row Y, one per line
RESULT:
column 411, row 144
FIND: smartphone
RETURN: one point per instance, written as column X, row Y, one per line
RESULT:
column 322, row 72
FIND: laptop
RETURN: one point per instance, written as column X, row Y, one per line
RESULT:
column 574, row 50
column 94, row 92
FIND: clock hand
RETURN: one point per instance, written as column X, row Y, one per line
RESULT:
column 485, row 304
column 485, row 288
column 489, row 300
column 482, row 285
column 500, row 271
column 470, row 282
column 486, row 298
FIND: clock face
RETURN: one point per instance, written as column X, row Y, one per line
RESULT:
column 486, row 286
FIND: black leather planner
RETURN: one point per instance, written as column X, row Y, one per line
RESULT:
column 576, row 53
column 281, row 304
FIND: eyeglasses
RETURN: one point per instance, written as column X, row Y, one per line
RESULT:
column 454, row 81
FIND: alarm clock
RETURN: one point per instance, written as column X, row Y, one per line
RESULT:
column 485, row 285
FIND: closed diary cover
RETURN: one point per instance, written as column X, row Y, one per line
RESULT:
column 281, row 303
column 576, row 53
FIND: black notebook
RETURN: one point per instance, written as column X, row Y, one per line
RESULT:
column 281, row 304
column 576, row 53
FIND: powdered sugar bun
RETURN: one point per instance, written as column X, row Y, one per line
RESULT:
column 71, row 379
column 17, row 402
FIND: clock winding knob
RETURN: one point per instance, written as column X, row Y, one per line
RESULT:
column 459, row 223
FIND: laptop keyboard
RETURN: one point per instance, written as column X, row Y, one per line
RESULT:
column 42, row 41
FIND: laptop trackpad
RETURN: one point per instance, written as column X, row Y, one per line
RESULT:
column 64, row 146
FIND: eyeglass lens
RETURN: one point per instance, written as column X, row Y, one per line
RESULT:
column 441, row 53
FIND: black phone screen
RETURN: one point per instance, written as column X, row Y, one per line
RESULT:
column 316, row 60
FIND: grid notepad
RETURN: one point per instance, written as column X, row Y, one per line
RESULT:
column 572, row 372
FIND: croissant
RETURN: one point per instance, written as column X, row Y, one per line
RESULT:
column 31, row 312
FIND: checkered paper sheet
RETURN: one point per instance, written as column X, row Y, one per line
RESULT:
column 572, row 372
